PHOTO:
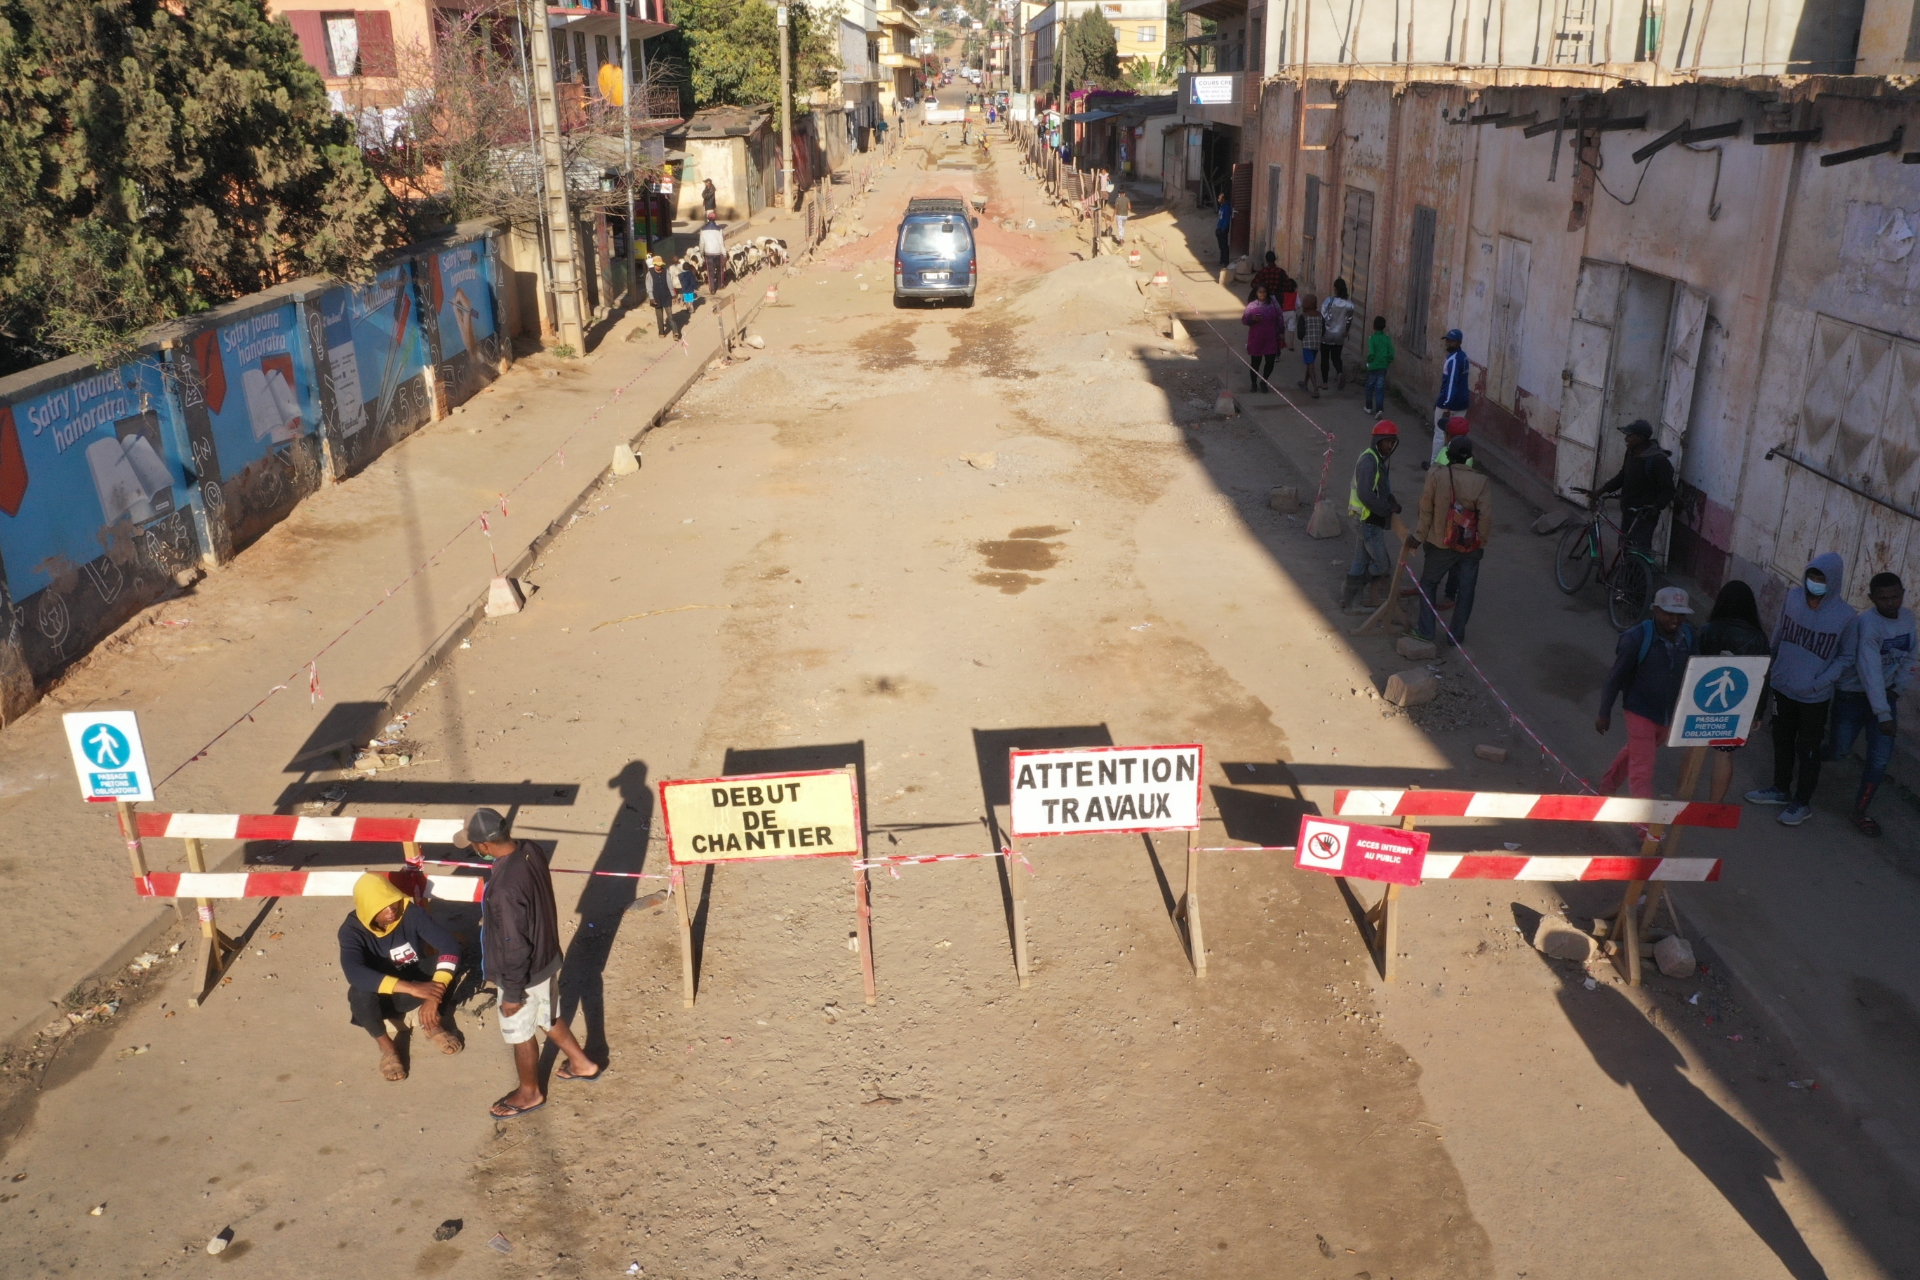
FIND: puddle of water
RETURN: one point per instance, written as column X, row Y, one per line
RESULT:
column 1019, row 553
column 1010, row 584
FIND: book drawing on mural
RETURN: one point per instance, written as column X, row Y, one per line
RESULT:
column 130, row 476
column 272, row 409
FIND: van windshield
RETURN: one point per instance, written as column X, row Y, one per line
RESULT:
column 941, row 238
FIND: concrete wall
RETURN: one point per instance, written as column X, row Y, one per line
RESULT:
column 725, row 161
column 1802, row 281
column 1887, row 30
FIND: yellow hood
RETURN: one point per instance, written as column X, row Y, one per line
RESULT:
column 373, row 894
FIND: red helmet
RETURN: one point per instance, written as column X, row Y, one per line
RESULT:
column 1385, row 428
column 1457, row 426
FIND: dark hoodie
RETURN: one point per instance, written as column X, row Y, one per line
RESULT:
column 519, row 927
column 411, row 948
column 1811, row 647
column 1645, row 481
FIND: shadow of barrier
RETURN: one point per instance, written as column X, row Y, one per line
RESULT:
column 205, row 887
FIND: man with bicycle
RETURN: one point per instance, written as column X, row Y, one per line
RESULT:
column 1645, row 484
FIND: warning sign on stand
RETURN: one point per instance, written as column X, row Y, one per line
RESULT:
column 108, row 756
column 1719, row 698
column 761, row 816
column 1092, row 790
column 1360, row 852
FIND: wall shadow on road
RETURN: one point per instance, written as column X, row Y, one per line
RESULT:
column 603, row 904
column 1637, row 1056
column 991, row 748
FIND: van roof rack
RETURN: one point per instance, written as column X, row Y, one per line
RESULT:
column 936, row 205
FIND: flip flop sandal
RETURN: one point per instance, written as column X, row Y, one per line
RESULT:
column 561, row 1073
column 513, row 1112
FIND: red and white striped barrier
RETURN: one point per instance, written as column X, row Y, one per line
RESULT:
column 1493, row 866
column 1561, row 808
column 291, row 884
column 287, row 826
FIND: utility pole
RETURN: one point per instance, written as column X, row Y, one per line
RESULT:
column 567, row 300
column 626, row 132
column 786, row 115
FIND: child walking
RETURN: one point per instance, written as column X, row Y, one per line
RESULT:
column 1379, row 356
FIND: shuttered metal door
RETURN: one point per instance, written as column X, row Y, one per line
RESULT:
column 1420, row 279
column 1240, row 232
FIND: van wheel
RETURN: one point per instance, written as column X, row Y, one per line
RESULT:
column 899, row 303
column 967, row 301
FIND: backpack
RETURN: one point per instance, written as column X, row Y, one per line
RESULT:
column 1463, row 522
column 1645, row 629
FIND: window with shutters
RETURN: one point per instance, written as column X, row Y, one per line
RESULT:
column 342, row 35
column 1420, row 279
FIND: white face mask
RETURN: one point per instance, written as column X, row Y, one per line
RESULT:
column 1815, row 589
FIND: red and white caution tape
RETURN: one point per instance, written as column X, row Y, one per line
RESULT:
column 289, row 884
column 1558, row 808
column 288, row 826
column 1491, row 866
column 894, row 863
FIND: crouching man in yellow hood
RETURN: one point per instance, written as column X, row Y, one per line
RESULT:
column 397, row 960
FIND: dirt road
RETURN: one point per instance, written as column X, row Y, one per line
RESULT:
column 907, row 540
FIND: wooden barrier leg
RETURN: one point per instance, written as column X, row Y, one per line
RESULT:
column 130, row 829
column 1626, row 927
column 217, row 950
column 1196, row 941
column 1016, row 883
column 863, row 911
column 1690, row 770
column 678, row 879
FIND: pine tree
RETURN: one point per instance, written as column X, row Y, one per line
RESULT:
column 1092, row 50
column 157, row 159
column 732, row 49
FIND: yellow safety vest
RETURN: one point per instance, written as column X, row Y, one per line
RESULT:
column 1354, row 504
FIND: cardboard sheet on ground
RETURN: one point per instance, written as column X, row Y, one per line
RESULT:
column 1360, row 852
column 1719, row 698
column 762, row 816
column 1094, row 790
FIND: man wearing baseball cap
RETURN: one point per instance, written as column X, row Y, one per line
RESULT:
column 520, row 954
column 1649, row 667
column 1456, row 377
column 1645, row 483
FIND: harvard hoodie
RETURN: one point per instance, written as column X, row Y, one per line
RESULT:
column 412, row 947
column 1812, row 646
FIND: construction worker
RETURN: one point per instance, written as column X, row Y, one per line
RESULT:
column 1373, row 506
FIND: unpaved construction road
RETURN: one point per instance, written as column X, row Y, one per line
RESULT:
column 907, row 539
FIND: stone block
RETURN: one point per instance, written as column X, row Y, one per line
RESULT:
column 1325, row 522
column 1552, row 521
column 1414, row 649
column 1674, row 956
column 625, row 461
column 1284, row 499
column 1555, row 937
column 1412, row 687
column 504, row 598
column 1491, row 754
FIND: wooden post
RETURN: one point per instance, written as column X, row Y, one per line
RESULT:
column 1195, row 940
column 216, row 948
column 1689, row 783
column 863, row 905
column 1659, row 842
column 1626, row 927
column 416, row 863
column 1388, row 617
column 1019, row 890
column 677, row 878
column 130, row 829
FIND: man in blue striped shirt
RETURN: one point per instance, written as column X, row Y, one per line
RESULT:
column 1455, row 375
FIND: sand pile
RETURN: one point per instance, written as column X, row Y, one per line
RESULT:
column 1101, row 293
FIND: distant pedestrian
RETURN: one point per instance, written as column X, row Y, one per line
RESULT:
column 397, row 960
column 1732, row 630
column 520, row 956
column 1337, row 311
column 1811, row 643
column 1645, row 483
column 1379, row 357
column 709, row 200
column 1262, row 318
column 1456, row 376
column 1455, row 521
column 1371, row 502
column 1223, row 225
column 1270, row 275
column 1649, row 666
column 660, row 293
column 689, row 285
column 1311, row 330
column 1867, row 694
column 1122, row 206
column 713, row 248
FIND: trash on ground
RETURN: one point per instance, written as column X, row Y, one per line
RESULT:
column 448, row 1229
column 220, row 1242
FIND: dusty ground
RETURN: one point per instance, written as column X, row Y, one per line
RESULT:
column 830, row 572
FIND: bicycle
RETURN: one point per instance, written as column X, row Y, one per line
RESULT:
column 1628, row 576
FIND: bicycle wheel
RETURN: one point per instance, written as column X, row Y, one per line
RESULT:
column 1573, row 562
column 1632, row 591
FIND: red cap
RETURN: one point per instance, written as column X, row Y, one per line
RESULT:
column 1456, row 426
column 1385, row 428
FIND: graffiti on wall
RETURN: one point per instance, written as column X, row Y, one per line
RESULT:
column 457, row 285
column 372, row 356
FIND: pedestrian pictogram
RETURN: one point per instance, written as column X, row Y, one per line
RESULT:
column 108, row 756
column 1718, row 700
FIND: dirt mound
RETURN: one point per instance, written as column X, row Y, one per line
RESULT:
column 1083, row 296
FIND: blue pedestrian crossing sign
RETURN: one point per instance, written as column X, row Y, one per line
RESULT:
column 108, row 756
column 1719, row 698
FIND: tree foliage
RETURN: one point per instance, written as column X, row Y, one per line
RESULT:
column 1092, row 51
column 157, row 159
column 732, row 50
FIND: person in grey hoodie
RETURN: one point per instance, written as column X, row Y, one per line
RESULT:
column 1867, row 694
column 1812, row 645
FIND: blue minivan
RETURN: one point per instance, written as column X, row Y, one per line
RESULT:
column 935, row 256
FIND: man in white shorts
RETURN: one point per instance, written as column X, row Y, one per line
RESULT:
column 520, row 954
